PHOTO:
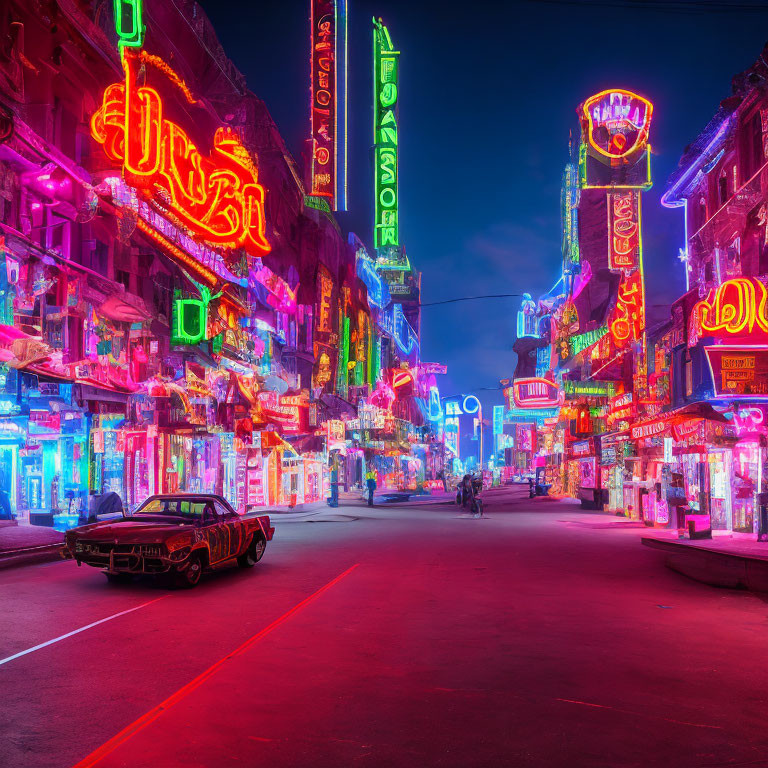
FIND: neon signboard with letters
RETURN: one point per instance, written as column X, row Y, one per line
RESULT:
column 617, row 122
column 216, row 196
column 329, row 107
column 736, row 308
column 386, row 61
column 623, row 229
column 536, row 393
column 739, row 372
column 627, row 321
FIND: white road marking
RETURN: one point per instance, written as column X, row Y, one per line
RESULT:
column 77, row 631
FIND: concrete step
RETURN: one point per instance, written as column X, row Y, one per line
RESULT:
column 716, row 567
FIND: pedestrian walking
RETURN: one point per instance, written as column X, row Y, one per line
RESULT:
column 370, row 482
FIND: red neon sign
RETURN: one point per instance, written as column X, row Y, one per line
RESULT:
column 623, row 230
column 617, row 121
column 536, row 393
column 217, row 196
column 628, row 319
column 324, row 99
column 736, row 308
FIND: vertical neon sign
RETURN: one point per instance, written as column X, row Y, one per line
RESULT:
column 386, row 62
column 129, row 23
column 329, row 101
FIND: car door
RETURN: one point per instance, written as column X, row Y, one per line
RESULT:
column 233, row 529
column 214, row 532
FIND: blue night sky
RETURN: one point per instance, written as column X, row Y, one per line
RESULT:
column 488, row 97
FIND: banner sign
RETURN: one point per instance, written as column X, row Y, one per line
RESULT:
column 623, row 230
column 739, row 372
column 435, row 368
column 650, row 429
column 536, row 393
column 386, row 61
column 593, row 388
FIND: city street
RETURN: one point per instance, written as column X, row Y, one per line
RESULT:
column 411, row 636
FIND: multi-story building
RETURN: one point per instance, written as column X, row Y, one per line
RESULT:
column 177, row 314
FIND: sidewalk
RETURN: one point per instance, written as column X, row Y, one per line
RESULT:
column 26, row 544
column 724, row 560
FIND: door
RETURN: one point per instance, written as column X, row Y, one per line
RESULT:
column 233, row 529
column 215, row 531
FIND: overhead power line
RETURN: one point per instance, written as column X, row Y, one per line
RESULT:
column 472, row 298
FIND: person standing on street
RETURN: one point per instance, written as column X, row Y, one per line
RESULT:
column 466, row 490
column 370, row 481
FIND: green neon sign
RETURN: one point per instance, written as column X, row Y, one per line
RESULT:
column 583, row 340
column 129, row 23
column 386, row 62
column 342, row 374
column 189, row 323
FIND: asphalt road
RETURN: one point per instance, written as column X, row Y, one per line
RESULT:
column 538, row 636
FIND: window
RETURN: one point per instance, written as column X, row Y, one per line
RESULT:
column 722, row 187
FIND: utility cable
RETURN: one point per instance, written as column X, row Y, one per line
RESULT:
column 472, row 298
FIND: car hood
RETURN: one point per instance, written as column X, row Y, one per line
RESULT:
column 128, row 532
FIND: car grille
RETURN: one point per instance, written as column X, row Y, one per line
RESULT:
column 125, row 557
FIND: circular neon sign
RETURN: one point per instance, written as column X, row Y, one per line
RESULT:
column 470, row 404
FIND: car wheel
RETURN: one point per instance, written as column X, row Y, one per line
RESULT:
column 190, row 576
column 118, row 578
column 253, row 554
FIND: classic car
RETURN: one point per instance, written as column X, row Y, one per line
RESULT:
column 177, row 535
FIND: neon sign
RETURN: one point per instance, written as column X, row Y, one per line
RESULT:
column 594, row 388
column 217, row 196
column 536, row 393
column 190, row 317
column 329, row 88
column 733, row 309
column 128, row 23
column 527, row 321
column 470, row 404
column 617, row 122
column 628, row 318
column 386, row 62
column 498, row 419
column 739, row 372
column 569, row 212
column 205, row 261
column 583, row 341
column 378, row 290
column 623, row 229
column 395, row 324
column 649, row 430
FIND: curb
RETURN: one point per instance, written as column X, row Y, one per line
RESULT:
column 718, row 569
column 16, row 558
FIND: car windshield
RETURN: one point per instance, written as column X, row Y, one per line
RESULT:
column 184, row 509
